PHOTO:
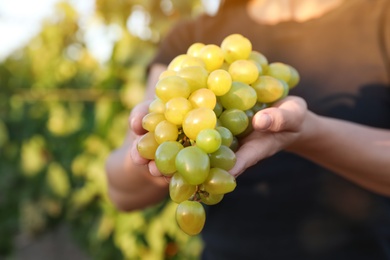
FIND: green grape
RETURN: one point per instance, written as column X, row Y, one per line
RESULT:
column 165, row 157
column 235, row 120
column 166, row 131
column 284, row 72
column 150, row 121
column 260, row 59
column 219, row 81
column 157, row 106
column 172, row 86
column 203, row 98
column 176, row 109
column 236, row 47
column 269, row 89
column 218, row 108
column 259, row 106
column 226, row 135
column 197, row 120
column 209, row 198
column 294, row 79
column 212, row 55
column 191, row 217
column 209, row 140
column 235, row 144
column 179, row 189
column 196, row 76
column 194, row 49
column 219, row 181
column 193, row 164
column 249, row 113
column 175, row 64
column 240, row 96
column 147, row 146
column 223, row 158
column 244, row 71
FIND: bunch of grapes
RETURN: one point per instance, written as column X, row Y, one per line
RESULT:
column 204, row 104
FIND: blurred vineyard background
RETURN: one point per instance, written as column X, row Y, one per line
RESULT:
column 62, row 111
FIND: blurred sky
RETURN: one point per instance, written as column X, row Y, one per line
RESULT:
column 20, row 20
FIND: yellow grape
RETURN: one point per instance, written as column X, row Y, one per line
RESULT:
column 147, row 146
column 236, row 47
column 212, row 56
column 175, row 64
column 194, row 49
column 219, row 181
column 176, row 109
column 219, row 81
column 172, row 86
column 203, row 98
column 179, row 189
column 157, row 106
column 150, row 120
column 166, row 131
column 198, row 119
column 167, row 73
column 269, row 89
column 244, row 71
column 191, row 217
column 165, row 157
column 284, row 72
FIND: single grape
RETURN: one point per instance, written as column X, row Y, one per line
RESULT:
column 209, row 198
column 212, row 55
column 218, row 108
column 209, row 140
column 175, row 64
column 269, row 89
column 179, row 189
column 235, row 120
column 244, row 71
column 167, row 73
column 236, row 47
column 165, row 157
column 157, row 106
column 166, row 131
column 240, row 96
column 191, row 217
column 219, row 81
column 223, row 158
column 260, row 59
column 147, row 146
column 219, row 181
column 284, row 72
column 193, row 164
column 195, row 48
column 226, row 135
column 191, row 61
column 172, row 86
column 203, row 98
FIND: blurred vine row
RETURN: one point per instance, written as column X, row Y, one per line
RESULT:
column 61, row 113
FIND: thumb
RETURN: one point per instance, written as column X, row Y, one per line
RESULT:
column 286, row 115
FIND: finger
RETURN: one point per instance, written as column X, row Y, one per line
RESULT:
column 153, row 169
column 287, row 115
column 135, row 156
column 255, row 147
column 136, row 115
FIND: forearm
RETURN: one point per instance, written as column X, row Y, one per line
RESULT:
column 131, row 186
column 358, row 153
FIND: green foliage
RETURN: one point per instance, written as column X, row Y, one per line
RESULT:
column 61, row 113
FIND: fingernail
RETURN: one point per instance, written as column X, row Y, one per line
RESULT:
column 263, row 122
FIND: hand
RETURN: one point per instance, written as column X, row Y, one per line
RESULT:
column 135, row 121
column 275, row 128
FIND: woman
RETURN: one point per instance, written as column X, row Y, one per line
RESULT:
column 313, row 179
